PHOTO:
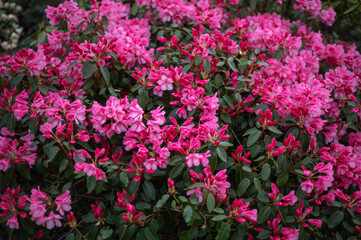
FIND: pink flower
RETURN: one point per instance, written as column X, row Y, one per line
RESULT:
column 251, row 215
column 4, row 164
column 315, row 222
column 197, row 192
column 52, row 220
column 328, row 16
column 289, row 233
column 63, row 202
column 13, row 222
column 290, row 198
column 90, row 170
column 194, row 159
column 307, row 186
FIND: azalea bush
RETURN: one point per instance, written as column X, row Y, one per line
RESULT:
column 180, row 119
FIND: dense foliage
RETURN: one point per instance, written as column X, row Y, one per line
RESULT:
column 175, row 119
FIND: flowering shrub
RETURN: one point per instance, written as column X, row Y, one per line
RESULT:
column 176, row 119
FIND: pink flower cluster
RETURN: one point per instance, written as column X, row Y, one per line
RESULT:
column 12, row 205
column 16, row 151
column 216, row 185
column 40, row 203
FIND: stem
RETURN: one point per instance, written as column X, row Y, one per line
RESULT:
column 81, row 235
column 177, row 202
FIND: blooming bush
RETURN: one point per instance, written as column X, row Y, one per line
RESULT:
column 176, row 119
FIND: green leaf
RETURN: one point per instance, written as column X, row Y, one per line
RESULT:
column 162, row 201
column 266, row 171
column 206, row 65
column 187, row 213
column 51, row 151
column 275, row 130
column 221, row 154
column 63, row 165
column 282, row 179
column 91, row 183
column 135, row 8
column 253, row 4
column 43, row 89
column 15, row 81
column 124, row 179
column 106, row 75
column 219, row 218
column 72, row 64
column 335, row 219
column 210, row 202
column 223, row 232
column 294, row 131
column 121, row 231
column 24, row 171
column 229, row 101
column 277, row 54
column 305, row 141
column 70, row 237
column 88, row 69
column 351, row 9
column 143, row 99
column 226, row 118
column 150, row 235
column 176, row 170
column 232, row 66
column 265, row 234
column 149, row 190
column 264, row 214
column 33, row 81
column 130, row 231
column 253, row 137
column 88, row 84
column 243, row 186
column 106, row 233
column 195, row 185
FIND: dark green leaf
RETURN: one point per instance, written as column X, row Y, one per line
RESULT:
column 265, row 234
column 243, row 186
column 305, row 141
column 253, row 4
column 91, row 183
column 274, row 130
column 162, row 201
column 210, row 202
column 253, row 137
column 335, row 219
column 266, row 171
column 219, row 218
column 149, row 190
column 282, row 179
column 229, row 101
column 51, row 151
column 124, row 179
column 15, row 81
column 43, row 89
column 143, row 99
column 187, row 213
column 224, row 231
column 206, row 65
column 121, row 231
column 277, row 54
column 88, row 69
column 264, row 214
column 24, row 171
column 105, row 74
column 70, row 237
column 176, row 170
column 221, row 154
